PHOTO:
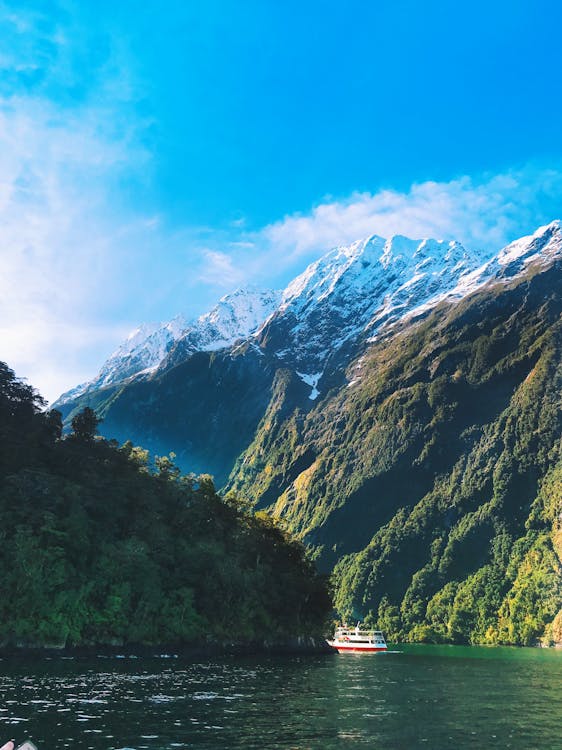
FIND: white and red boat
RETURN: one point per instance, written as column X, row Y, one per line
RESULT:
column 354, row 640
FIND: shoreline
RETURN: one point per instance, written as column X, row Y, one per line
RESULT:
column 301, row 645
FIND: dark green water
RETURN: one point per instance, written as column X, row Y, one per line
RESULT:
column 431, row 698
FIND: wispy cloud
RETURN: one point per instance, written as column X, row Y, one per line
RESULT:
column 483, row 213
column 59, row 165
column 218, row 269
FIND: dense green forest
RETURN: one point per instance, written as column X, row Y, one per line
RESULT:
column 99, row 545
column 434, row 483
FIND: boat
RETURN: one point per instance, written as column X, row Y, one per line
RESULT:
column 355, row 640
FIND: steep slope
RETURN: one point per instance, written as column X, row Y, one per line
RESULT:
column 205, row 409
column 533, row 254
column 423, row 476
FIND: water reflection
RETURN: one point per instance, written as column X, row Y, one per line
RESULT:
column 422, row 698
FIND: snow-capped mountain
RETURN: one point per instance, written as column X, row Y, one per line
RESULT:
column 235, row 316
column 352, row 293
column 168, row 388
column 365, row 288
column 539, row 249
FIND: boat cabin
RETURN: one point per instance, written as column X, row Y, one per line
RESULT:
column 357, row 635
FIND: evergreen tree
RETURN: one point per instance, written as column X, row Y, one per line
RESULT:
column 85, row 424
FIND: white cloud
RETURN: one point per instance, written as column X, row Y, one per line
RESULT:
column 58, row 254
column 483, row 213
column 218, row 269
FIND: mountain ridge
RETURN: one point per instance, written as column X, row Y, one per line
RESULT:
column 152, row 345
column 322, row 323
column 423, row 484
column 370, row 284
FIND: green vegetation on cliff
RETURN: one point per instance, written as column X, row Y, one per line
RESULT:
column 433, row 483
column 97, row 549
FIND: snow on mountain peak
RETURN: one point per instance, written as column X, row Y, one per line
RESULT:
column 541, row 247
column 366, row 262
column 363, row 286
column 235, row 316
column 543, row 242
column 353, row 291
column 244, row 309
column 319, row 280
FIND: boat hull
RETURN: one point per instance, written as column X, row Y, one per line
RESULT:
column 357, row 648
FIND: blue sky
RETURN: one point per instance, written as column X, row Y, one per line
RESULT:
column 156, row 155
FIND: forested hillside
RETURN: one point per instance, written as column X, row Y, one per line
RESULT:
column 98, row 549
column 433, row 481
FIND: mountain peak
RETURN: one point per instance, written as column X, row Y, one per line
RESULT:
column 553, row 226
column 361, row 287
column 236, row 315
column 546, row 238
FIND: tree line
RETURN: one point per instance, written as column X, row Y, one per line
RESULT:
column 100, row 544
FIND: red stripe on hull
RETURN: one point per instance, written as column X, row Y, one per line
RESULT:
column 343, row 649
